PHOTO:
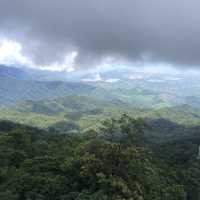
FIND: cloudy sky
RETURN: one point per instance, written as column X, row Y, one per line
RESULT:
column 78, row 34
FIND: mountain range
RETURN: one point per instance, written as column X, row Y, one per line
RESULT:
column 44, row 98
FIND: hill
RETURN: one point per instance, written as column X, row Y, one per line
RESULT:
column 88, row 111
column 125, row 87
column 83, row 110
column 14, row 91
column 113, row 163
column 19, row 84
column 182, row 114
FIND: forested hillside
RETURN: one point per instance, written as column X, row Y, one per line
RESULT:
column 115, row 162
column 62, row 140
column 89, row 111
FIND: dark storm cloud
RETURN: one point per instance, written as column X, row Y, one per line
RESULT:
column 158, row 30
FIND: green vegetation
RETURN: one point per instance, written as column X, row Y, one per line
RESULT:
column 73, row 141
column 87, row 112
column 79, row 109
column 32, row 119
column 183, row 114
column 119, row 161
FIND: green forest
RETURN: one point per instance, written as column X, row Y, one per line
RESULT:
column 128, row 140
column 118, row 161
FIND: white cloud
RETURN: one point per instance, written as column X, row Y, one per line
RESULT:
column 66, row 65
column 135, row 77
column 96, row 78
column 112, row 80
column 11, row 54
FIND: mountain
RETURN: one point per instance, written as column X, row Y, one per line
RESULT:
column 25, row 73
column 21, row 84
column 17, row 85
column 12, row 73
column 88, row 111
column 138, row 89
column 13, row 91
column 182, row 114
column 84, row 110
column 71, row 103
column 72, row 140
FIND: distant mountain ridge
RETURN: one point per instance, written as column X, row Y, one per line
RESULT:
column 88, row 111
column 17, row 85
column 13, row 91
column 135, row 89
column 25, row 73
column 11, row 72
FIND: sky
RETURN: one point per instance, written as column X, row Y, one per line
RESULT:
column 76, row 34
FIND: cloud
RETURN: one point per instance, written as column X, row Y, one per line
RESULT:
column 10, row 53
column 96, row 78
column 125, row 30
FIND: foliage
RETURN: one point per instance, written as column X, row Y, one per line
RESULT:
column 111, row 163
